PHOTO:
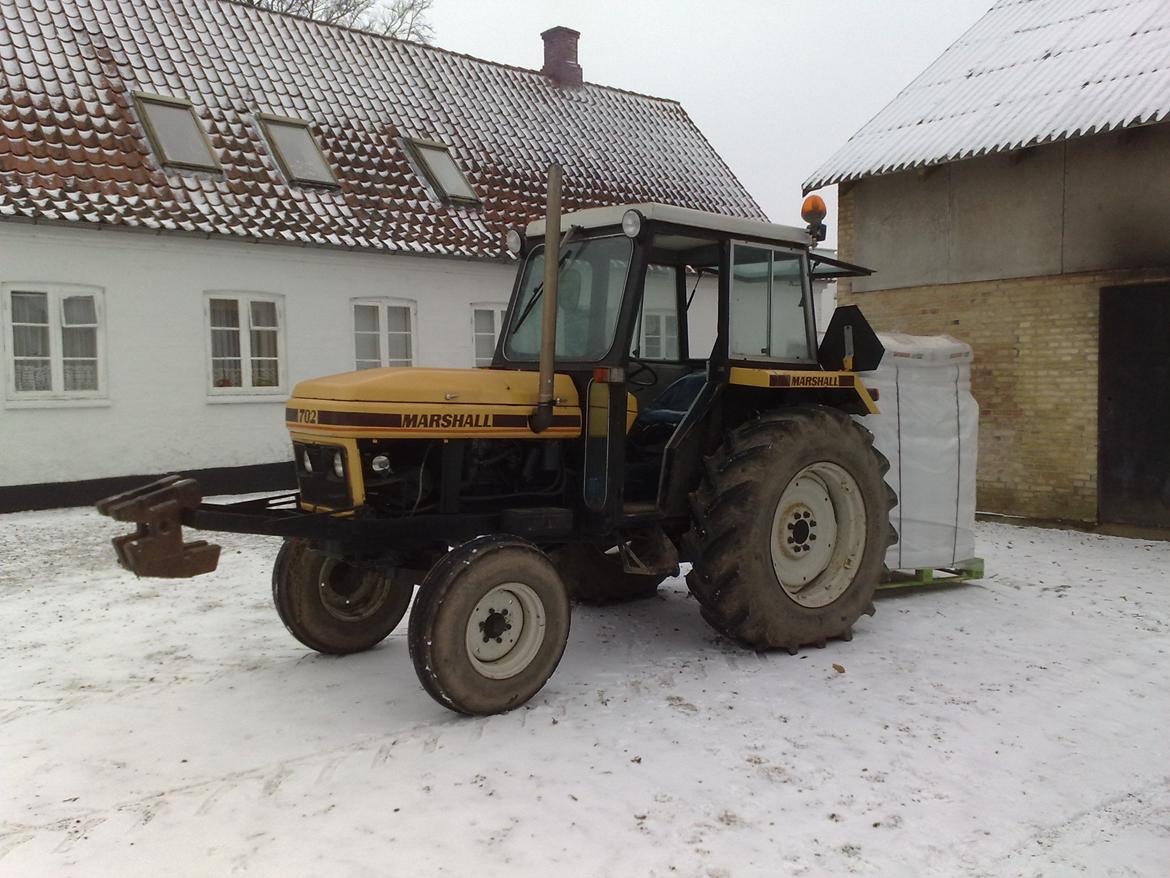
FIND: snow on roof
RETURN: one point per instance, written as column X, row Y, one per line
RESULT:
column 599, row 217
column 1028, row 72
column 73, row 148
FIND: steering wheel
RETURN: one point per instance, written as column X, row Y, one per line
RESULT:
column 641, row 367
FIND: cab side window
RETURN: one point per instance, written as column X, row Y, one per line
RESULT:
column 657, row 332
column 769, row 312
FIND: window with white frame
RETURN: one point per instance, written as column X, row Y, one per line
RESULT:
column 55, row 341
column 486, row 321
column 660, row 335
column 383, row 333
column 246, row 343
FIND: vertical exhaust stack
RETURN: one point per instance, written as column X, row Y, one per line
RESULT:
column 542, row 417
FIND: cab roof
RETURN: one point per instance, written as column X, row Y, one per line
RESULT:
column 600, row 217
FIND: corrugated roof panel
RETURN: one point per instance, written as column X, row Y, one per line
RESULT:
column 1028, row 72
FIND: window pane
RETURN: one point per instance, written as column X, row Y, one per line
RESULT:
column 264, row 343
column 79, row 342
column 264, row 314
column 81, row 375
column 30, row 308
column 226, row 373
column 445, row 173
column 485, row 321
column 397, row 318
column 485, row 348
column 225, row 343
column 30, row 341
column 749, row 301
column 592, row 284
column 365, row 318
column 367, row 347
column 79, row 311
column 225, row 312
column 398, row 348
column 179, row 135
column 265, row 373
column 369, row 364
column 299, row 152
column 789, row 339
column 33, row 375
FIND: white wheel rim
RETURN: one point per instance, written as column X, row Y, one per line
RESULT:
column 505, row 630
column 818, row 534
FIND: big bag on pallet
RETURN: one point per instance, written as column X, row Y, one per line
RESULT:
column 928, row 427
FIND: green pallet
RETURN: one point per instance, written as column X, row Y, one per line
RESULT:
column 926, row 577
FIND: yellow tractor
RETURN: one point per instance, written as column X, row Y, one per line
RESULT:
column 657, row 396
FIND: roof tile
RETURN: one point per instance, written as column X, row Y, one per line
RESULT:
column 73, row 148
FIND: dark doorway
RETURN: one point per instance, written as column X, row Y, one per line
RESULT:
column 1133, row 463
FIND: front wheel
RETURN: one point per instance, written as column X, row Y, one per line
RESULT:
column 790, row 529
column 332, row 606
column 489, row 626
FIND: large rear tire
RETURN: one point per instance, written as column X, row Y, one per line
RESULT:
column 334, row 607
column 489, row 626
column 593, row 577
column 790, row 526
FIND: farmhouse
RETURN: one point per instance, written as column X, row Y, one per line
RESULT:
column 202, row 203
column 1017, row 195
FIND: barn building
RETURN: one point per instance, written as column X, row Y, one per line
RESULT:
column 202, row 203
column 1017, row 195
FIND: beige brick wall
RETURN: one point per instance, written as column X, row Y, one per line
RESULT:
column 1034, row 375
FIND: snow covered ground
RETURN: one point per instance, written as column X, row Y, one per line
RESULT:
column 1014, row 727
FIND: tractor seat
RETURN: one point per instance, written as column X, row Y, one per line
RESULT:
column 657, row 422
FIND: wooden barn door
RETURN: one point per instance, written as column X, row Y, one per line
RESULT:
column 1133, row 467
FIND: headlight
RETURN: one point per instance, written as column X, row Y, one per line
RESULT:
column 515, row 242
column 338, row 465
column 380, row 464
column 632, row 223
column 306, row 461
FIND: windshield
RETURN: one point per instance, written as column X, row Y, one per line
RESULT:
column 589, row 298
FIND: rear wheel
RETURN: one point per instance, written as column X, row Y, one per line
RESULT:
column 489, row 626
column 790, row 527
column 594, row 577
column 335, row 607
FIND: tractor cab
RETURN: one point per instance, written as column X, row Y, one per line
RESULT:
column 658, row 310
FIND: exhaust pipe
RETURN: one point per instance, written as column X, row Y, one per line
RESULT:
column 542, row 417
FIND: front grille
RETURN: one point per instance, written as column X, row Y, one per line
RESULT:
column 321, row 486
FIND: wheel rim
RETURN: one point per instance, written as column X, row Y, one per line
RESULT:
column 818, row 534
column 350, row 594
column 505, row 630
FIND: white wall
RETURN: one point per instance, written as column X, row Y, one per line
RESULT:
column 158, row 415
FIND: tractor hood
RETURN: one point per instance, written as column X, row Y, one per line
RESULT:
column 447, row 386
column 428, row 403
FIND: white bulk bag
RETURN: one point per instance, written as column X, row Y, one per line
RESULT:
column 929, row 429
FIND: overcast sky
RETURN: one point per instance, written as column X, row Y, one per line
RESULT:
column 776, row 85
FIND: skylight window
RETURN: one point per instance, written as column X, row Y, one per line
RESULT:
column 442, row 171
column 297, row 151
column 175, row 133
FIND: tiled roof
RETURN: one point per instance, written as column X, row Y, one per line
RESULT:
column 1028, row 72
column 73, row 149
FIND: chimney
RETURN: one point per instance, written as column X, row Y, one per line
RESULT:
column 560, row 56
